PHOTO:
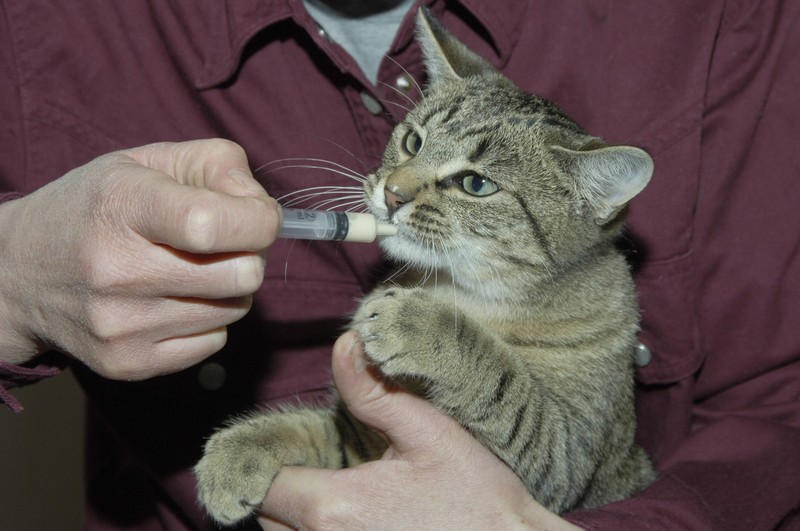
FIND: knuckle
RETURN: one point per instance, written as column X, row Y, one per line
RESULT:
column 219, row 146
column 103, row 269
column 106, row 325
column 330, row 512
column 271, row 219
column 223, row 145
column 202, row 225
column 118, row 362
column 219, row 151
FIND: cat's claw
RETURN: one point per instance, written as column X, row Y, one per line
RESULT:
column 394, row 325
column 233, row 478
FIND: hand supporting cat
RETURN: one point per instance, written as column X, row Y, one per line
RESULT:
column 240, row 462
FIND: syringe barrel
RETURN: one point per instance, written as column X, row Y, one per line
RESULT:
column 301, row 224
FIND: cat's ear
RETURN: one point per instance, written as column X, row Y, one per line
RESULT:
column 606, row 177
column 446, row 58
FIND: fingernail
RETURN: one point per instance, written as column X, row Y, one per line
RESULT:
column 243, row 178
column 357, row 353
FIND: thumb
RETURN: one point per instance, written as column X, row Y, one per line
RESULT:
column 408, row 422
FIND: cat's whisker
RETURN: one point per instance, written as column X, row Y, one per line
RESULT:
column 336, row 204
column 353, row 155
column 286, row 262
column 403, row 94
column 303, row 159
column 333, row 143
column 338, row 168
column 436, row 269
column 308, row 194
column 431, row 267
column 455, row 297
column 355, row 177
column 399, row 272
column 407, row 109
column 352, row 206
column 325, row 189
column 414, row 81
column 486, row 291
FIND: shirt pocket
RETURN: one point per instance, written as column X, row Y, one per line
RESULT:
column 661, row 228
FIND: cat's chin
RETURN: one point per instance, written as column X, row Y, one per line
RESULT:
column 401, row 249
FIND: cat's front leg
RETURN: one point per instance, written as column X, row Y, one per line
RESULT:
column 241, row 460
column 419, row 341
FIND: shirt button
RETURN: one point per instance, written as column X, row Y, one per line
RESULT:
column 642, row 355
column 371, row 103
column 403, row 83
column 211, row 376
column 322, row 33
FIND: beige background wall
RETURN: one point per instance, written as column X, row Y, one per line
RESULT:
column 40, row 458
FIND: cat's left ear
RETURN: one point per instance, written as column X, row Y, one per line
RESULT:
column 446, row 58
column 606, row 177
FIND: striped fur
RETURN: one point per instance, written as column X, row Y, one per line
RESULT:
column 525, row 329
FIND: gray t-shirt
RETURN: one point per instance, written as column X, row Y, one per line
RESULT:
column 366, row 29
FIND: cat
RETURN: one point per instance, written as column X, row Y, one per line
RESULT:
column 527, row 337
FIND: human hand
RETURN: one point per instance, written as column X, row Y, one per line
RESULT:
column 434, row 475
column 136, row 262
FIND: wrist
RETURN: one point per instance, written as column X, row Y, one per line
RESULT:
column 17, row 344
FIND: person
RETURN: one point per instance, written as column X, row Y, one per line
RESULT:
column 134, row 265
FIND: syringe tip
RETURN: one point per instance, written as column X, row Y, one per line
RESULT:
column 387, row 229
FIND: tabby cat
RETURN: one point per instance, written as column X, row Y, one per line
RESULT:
column 527, row 337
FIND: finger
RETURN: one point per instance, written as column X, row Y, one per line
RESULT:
column 270, row 524
column 167, row 357
column 164, row 338
column 179, row 353
column 410, row 423
column 173, row 318
column 200, row 220
column 208, row 276
column 296, row 494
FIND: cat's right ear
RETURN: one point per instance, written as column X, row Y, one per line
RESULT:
column 446, row 58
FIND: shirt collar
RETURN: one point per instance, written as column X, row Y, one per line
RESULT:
column 234, row 23
column 503, row 24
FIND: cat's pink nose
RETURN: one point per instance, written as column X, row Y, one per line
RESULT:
column 393, row 200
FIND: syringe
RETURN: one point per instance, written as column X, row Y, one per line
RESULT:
column 301, row 224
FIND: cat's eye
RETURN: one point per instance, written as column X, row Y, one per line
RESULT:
column 477, row 185
column 412, row 143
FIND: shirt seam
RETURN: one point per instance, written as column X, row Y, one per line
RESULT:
column 23, row 105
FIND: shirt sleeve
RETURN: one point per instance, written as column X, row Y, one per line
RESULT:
column 12, row 138
column 738, row 467
column 12, row 376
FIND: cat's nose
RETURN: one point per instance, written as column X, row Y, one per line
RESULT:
column 394, row 200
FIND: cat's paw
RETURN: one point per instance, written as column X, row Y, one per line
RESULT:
column 234, row 475
column 403, row 330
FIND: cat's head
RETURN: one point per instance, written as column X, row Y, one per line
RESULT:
column 482, row 178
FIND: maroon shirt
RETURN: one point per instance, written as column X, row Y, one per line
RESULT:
column 708, row 88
